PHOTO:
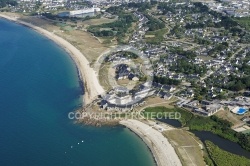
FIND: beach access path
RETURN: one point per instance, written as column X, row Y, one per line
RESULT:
column 88, row 75
column 162, row 150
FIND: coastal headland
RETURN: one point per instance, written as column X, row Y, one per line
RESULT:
column 162, row 150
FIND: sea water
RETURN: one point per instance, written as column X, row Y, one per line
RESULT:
column 39, row 86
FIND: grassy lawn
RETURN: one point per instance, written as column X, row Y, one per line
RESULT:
column 87, row 44
column 108, row 40
column 98, row 21
column 156, row 37
column 123, row 82
column 244, row 21
column 103, row 77
column 154, row 100
column 149, row 36
column 205, row 58
column 67, row 28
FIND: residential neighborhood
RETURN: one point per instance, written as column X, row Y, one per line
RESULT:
column 197, row 58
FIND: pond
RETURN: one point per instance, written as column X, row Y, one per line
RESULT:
column 172, row 122
column 222, row 143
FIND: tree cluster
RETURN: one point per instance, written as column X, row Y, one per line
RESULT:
column 166, row 80
column 154, row 24
column 218, row 48
column 178, row 31
column 186, row 67
column 118, row 28
column 142, row 6
column 224, row 158
column 187, row 54
column 237, row 84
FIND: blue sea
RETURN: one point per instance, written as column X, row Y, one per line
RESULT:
column 39, row 86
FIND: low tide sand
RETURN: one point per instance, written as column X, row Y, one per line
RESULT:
column 89, row 76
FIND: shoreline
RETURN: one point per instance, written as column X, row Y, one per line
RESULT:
column 86, row 74
column 163, row 152
column 154, row 158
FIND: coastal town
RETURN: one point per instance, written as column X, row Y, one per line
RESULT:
column 180, row 56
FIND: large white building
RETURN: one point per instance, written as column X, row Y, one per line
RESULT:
column 84, row 11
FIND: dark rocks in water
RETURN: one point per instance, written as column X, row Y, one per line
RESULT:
column 82, row 86
column 98, row 122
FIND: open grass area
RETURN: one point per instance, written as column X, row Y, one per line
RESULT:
column 244, row 21
column 149, row 36
column 186, row 146
column 205, row 58
column 229, row 116
column 103, row 77
column 87, row 44
column 130, row 32
column 156, row 37
column 98, row 21
column 67, row 28
column 108, row 41
column 154, row 101
column 157, row 101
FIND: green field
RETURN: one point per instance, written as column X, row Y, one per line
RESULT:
column 244, row 22
column 156, row 37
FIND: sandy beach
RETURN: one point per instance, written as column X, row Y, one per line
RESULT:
column 162, row 150
column 89, row 76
